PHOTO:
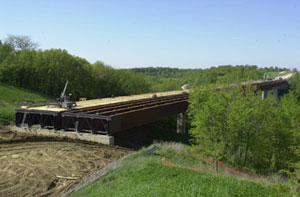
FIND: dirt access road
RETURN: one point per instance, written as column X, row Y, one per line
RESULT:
column 31, row 166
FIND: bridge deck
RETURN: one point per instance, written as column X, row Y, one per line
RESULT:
column 104, row 101
column 107, row 116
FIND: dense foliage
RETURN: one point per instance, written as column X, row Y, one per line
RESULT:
column 237, row 126
column 295, row 84
column 163, row 79
column 47, row 71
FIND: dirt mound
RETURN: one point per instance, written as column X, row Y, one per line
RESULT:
column 44, row 167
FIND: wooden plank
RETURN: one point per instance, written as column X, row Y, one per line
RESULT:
column 105, row 101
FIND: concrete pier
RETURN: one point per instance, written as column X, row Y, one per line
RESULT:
column 181, row 119
column 275, row 93
column 264, row 94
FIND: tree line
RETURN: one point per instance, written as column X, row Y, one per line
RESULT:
column 164, row 78
column 46, row 72
column 22, row 64
column 235, row 125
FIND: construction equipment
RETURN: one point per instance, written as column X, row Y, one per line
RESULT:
column 65, row 101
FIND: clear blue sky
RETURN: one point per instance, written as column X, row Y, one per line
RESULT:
column 140, row 33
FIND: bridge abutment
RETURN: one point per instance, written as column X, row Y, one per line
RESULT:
column 181, row 127
column 37, row 131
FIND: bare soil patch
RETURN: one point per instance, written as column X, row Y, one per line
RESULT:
column 29, row 165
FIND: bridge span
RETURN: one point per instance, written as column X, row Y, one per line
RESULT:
column 111, row 115
column 106, row 116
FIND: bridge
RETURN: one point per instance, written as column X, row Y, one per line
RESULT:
column 106, row 117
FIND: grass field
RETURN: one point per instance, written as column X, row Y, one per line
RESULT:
column 12, row 98
column 147, row 176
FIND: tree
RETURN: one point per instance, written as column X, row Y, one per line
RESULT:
column 295, row 84
column 21, row 42
column 237, row 126
column 209, row 120
column 5, row 50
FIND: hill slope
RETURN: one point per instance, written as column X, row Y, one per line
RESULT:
column 12, row 98
column 148, row 176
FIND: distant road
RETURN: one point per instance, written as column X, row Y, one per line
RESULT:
column 287, row 76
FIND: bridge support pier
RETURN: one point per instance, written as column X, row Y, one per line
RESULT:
column 264, row 94
column 181, row 117
column 275, row 93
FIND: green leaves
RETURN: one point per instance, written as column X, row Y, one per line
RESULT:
column 47, row 72
column 295, row 84
column 238, row 126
